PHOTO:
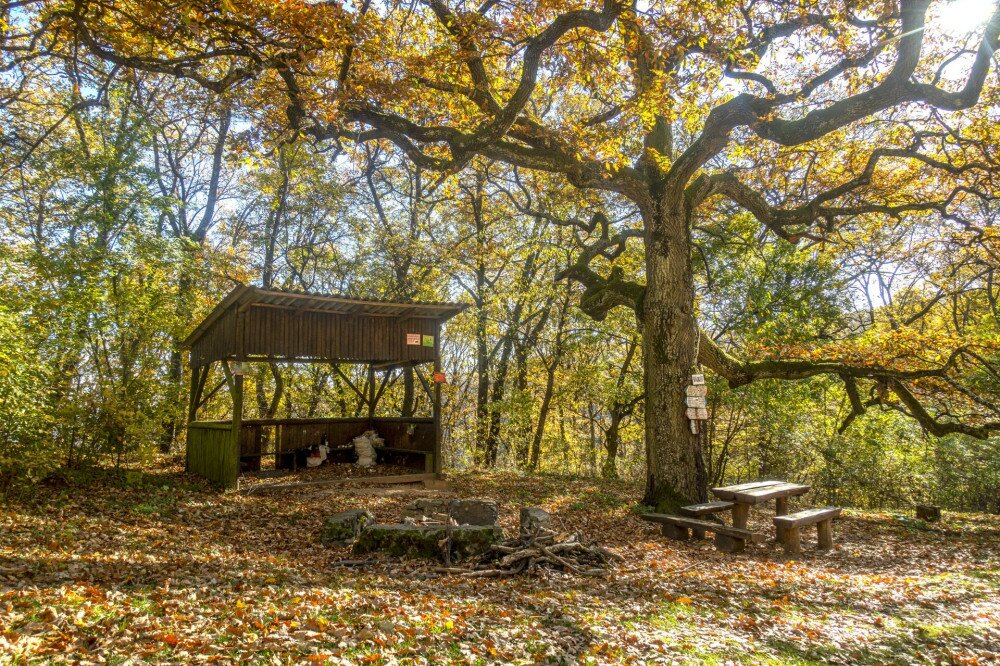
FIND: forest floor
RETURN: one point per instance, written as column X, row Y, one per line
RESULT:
column 159, row 568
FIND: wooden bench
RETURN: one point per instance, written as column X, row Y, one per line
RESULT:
column 390, row 454
column 705, row 509
column 727, row 539
column 789, row 526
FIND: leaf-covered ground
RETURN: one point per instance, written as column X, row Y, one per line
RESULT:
column 164, row 570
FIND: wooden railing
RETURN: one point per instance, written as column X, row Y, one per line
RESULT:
column 215, row 453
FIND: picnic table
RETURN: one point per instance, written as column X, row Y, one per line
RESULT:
column 746, row 495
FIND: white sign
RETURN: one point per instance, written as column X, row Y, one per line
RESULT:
column 413, row 339
column 697, row 401
column 694, row 427
column 697, row 413
column 697, row 390
column 698, row 380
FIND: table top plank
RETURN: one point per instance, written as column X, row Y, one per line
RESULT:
column 706, row 508
column 765, row 493
column 727, row 492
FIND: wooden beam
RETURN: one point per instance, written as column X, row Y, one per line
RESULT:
column 424, row 383
column 197, row 384
column 211, row 394
column 359, row 392
column 437, row 404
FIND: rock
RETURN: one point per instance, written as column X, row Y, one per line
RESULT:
column 475, row 512
column 462, row 511
column 532, row 519
column 434, row 508
column 425, row 541
column 341, row 529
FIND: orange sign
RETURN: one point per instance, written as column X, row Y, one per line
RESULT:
column 440, row 378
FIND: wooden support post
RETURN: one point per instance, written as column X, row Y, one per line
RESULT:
column 371, row 391
column 196, row 382
column 232, row 457
column 780, row 509
column 824, row 529
column 675, row 532
column 741, row 512
column 437, row 406
column 792, row 539
column 198, row 375
column 728, row 544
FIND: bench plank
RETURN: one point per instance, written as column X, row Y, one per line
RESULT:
column 708, row 526
column 706, row 508
column 758, row 495
column 807, row 517
column 727, row 492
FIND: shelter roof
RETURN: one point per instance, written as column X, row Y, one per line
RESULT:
column 302, row 301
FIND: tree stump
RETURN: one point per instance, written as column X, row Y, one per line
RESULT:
column 929, row 513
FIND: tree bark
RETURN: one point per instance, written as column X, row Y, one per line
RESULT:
column 612, row 439
column 675, row 469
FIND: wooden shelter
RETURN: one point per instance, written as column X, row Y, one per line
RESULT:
column 266, row 325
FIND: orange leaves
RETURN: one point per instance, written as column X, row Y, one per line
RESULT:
column 686, row 600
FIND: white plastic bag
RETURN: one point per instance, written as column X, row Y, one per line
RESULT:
column 365, row 450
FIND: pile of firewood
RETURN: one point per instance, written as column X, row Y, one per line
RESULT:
column 543, row 550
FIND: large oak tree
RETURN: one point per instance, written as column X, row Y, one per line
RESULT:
column 815, row 117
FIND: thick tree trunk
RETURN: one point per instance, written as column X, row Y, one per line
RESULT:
column 674, row 466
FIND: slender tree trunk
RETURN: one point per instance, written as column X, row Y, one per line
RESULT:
column 612, row 440
column 674, row 466
column 492, row 444
column 483, row 385
column 543, row 414
column 408, row 393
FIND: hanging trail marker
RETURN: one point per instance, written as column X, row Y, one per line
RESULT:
column 413, row 338
column 697, row 401
column 697, row 413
